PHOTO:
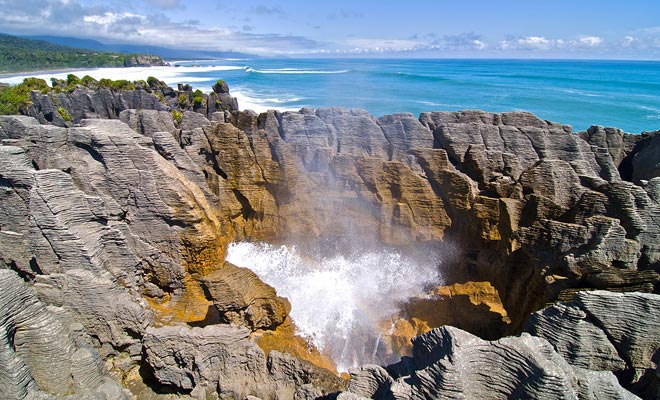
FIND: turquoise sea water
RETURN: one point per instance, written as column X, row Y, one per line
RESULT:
column 624, row 94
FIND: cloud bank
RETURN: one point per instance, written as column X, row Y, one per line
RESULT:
column 124, row 21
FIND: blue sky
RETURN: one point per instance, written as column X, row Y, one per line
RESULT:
column 404, row 28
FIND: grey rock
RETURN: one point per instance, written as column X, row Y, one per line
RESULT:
column 148, row 122
column 222, row 356
column 576, row 337
column 217, row 355
column 404, row 132
column 192, row 120
column 450, row 363
column 221, row 102
column 370, row 381
column 240, row 297
column 144, row 60
column 646, row 163
column 221, row 87
column 40, row 355
column 634, row 330
column 605, row 331
column 85, row 103
column 357, row 132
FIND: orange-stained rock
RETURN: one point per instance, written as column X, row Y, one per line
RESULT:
column 284, row 339
column 187, row 305
column 478, row 293
column 473, row 306
column 401, row 333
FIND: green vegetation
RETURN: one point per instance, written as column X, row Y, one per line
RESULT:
column 119, row 84
column 13, row 99
column 72, row 80
column 17, row 54
column 198, row 98
column 177, row 116
column 65, row 114
column 183, row 100
column 88, row 81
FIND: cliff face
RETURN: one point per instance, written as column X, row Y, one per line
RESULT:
column 116, row 230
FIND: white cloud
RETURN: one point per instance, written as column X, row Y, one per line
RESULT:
column 590, row 41
column 527, row 43
column 629, row 41
column 541, row 43
column 109, row 18
column 121, row 21
column 463, row 41
column 381, row 45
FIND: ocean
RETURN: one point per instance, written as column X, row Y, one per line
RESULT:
column 622, row 94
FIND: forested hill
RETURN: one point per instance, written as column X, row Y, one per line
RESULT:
column 18, row 54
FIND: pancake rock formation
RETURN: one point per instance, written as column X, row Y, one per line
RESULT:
column 114, row 228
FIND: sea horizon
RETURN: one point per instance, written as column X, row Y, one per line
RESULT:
column 577, row 92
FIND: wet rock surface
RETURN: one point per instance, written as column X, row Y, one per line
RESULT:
column 113, row 233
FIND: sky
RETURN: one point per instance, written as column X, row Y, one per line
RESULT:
column 404, row 28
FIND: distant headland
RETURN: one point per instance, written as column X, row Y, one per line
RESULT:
column 22, row 55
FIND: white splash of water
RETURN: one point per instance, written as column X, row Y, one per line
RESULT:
column 339, row 303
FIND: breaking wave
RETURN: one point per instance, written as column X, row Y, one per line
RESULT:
column 340, row 303
column 294, row 71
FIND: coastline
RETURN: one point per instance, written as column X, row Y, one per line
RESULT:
column 622, row 94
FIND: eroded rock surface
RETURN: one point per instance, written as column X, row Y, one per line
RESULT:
column 605, row 331
column 222, row 358
column 450, row 363
column 120, row 224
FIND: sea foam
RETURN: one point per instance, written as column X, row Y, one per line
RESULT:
column 339, row 303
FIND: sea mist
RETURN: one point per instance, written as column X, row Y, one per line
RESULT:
column 341, row 303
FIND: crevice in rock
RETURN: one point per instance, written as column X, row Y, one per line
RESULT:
column 273, row 153
column 246, row 208
column 211, row 159
column 625, row 167
column 146, row 372
column 626, row 376
column 92, row 152
column 213, row 315
column 25, row 275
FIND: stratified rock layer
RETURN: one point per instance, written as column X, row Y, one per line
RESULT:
column 222, row 358
column 120, row 226
column 41, row 353
column 448, row 363
column 606, row 331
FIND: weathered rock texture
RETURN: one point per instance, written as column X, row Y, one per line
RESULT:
column 69, row 106
column 571, row 350
column 122, row 224
column 222, row 358
column 604, row 331
column 43, row 351
column 449, row 363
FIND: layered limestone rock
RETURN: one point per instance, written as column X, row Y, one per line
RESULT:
column 575, row 350
column 123, row 223
column 42, row 353
column 118, row 230
column 450, row 363
column 239, row 297
column 605, row 331
column 74, row 101
column 222, row 358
